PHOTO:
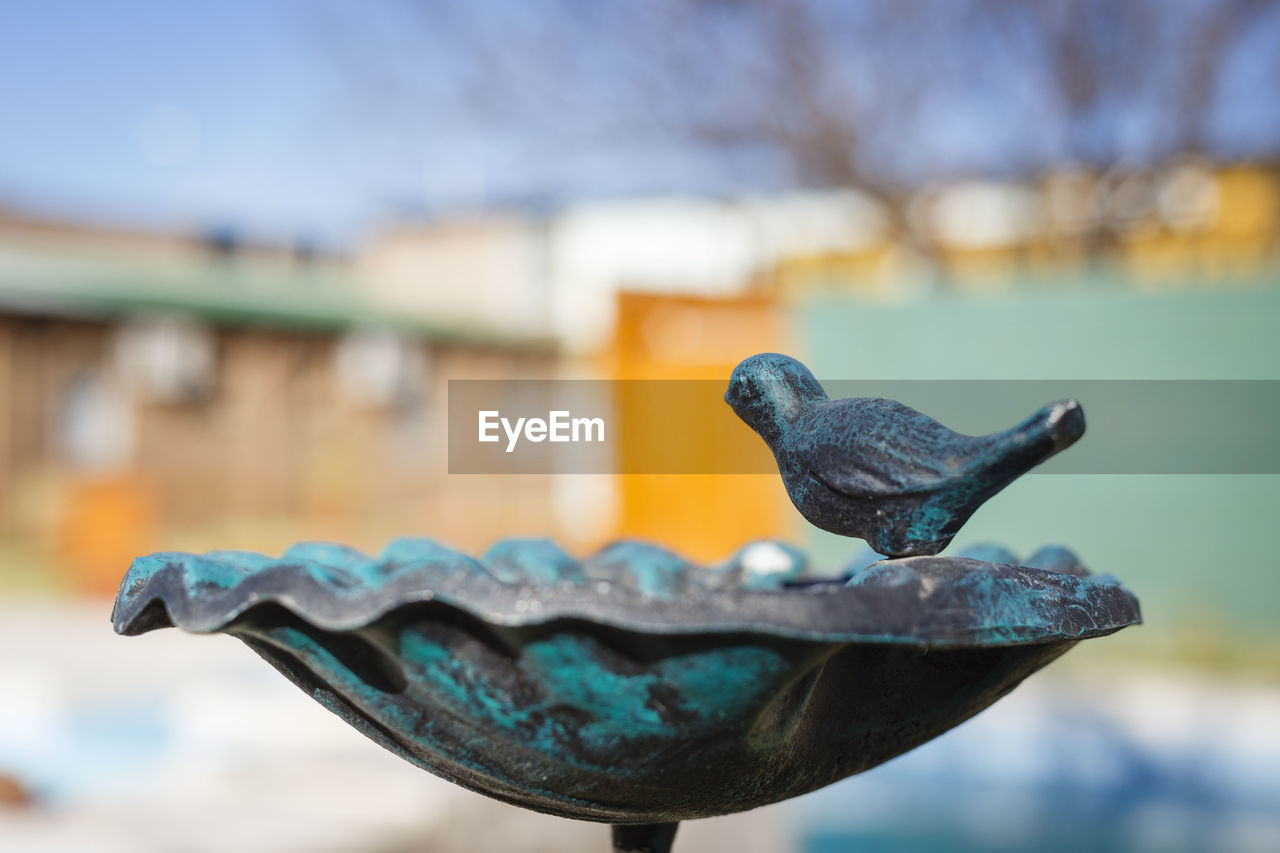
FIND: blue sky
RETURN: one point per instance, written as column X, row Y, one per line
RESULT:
column 196, row 114
column 180, row 114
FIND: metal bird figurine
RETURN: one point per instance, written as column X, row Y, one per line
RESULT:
column 880, row 470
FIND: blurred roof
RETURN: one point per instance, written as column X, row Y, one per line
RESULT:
column 60, row 269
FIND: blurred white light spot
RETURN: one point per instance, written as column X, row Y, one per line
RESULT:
column 1188, row 196
column 95, row 425
column 380, row 369
column 760, row 559
column 170, row 360
column 979, row 215
column 585, row 503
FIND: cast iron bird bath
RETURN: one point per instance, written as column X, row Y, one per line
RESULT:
column 633, row 687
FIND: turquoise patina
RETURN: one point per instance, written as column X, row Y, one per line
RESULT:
column 632, row 686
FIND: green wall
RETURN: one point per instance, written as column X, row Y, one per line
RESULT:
column 1200, row 550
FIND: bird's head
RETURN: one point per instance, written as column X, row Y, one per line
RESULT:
column 770, row 390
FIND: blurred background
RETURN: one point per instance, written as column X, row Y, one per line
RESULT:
column 245, row 245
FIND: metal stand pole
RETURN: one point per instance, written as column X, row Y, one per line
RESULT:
column 644, row 838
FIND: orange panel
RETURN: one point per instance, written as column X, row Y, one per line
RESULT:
column 703, row 516
column 106, row 522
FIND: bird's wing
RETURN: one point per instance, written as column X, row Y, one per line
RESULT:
column 870, row 447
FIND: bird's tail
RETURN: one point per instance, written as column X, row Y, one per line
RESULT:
column 1049, row 431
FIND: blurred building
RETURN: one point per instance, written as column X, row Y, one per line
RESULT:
column 151, row 382
column 1188, row 223
column 476, row 272
column 560, row 273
